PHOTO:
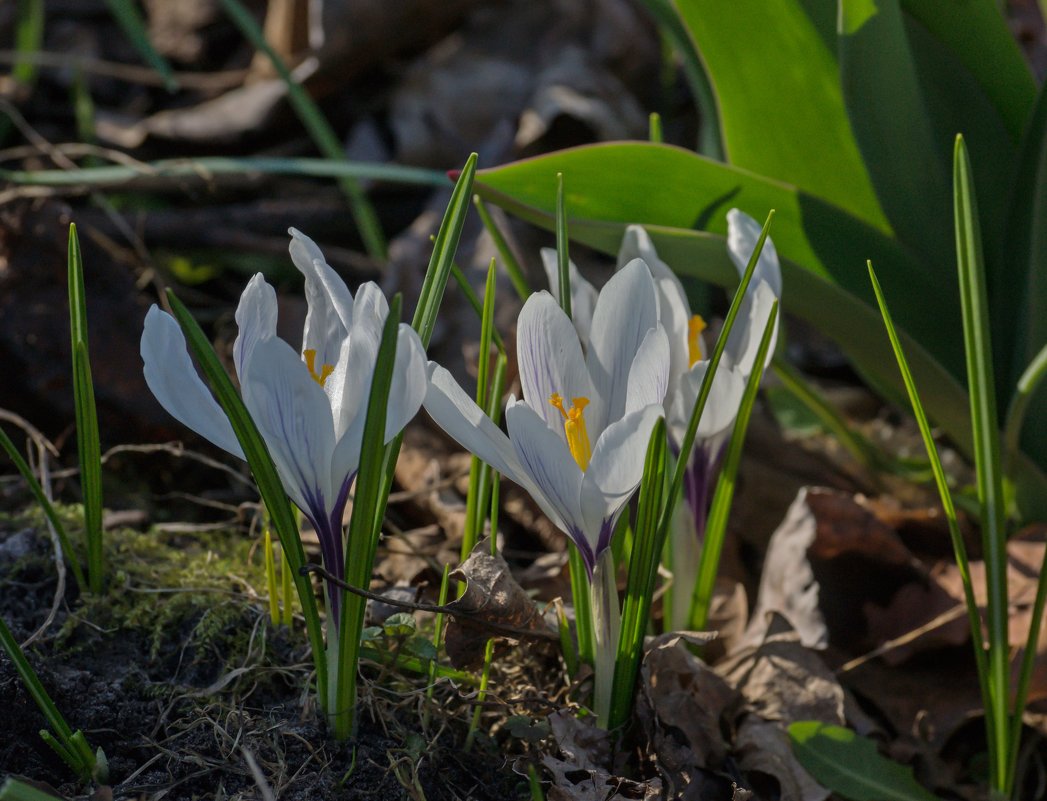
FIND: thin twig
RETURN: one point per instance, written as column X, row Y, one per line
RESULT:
column 447, row 609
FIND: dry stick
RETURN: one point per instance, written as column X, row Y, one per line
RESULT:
column 454, row 611
column 130, row 73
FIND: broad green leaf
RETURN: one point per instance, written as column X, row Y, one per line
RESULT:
column 778, row 96
column 823, row 250
column 1020, row 288
column 977, row 33
column 955, row 102
column 890, row 124
column 849, row 764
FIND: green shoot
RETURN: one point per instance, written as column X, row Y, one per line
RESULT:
column 512, row 264
column 319, row 129
column 270, row 578
column 654, row 127
column 70, row 746
column 126, row 14
column 29, row 38
column 87, row 438
column 364, row 528
column 1019, row 405
column 716, row 526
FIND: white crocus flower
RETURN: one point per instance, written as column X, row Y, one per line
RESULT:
column 689, row 366
column 309, row 407
column 578, row 437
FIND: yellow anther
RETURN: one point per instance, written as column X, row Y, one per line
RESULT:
column 310, row 362
column 695, row 349
column 574, row 428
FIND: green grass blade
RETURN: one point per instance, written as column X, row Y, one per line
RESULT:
column 563, row 258
column 431, row 294
column 475, row 303
column 126, row 14
column 265, row 475
column 364, row 526
column 68, row 751
column 29, row 38
column 654, row 127
column 940, row 480
column 716, row 526
column 119, row 175
column 509, row 260
column 986, row 426
column 1021, row 692
column 47, row 506
column 643, row 570
column 87, row 437
column 319, row 129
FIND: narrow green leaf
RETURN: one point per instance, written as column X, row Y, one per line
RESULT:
column 14, row 790
column 47, row 506
column 87, row 437
column 906, row 163
column 269, row 485
column 941, row 482
column 803, row 103
column 364, row 525
column 319, row 130
column 850, row 765
column 509, row 260
column 642, row 573
column 29, row 39
column 69, row 752
column 985, row 422
column 126, row 14
column 1019, row 406
column 474, row 302
column 654, row 132
column 716, row 526
column 431, row 294
column 150, row 172
column 563, row 258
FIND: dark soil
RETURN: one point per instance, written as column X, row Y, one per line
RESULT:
column 183, row 689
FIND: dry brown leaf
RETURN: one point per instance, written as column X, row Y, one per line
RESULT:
column 491, row 595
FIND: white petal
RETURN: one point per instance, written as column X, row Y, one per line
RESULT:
column 410, row 381
column 349, row 386
column 744, row 341
column 330, row 314
column 674, row 311
column 583, row 294
column 464, row 421
column 649, row 374
column 626, row 310
column 294, row 417
column 616, row 468
column 550, row 359
column 171, row 377
column 370, row 303
column 721, row 407
column 555, row 477
column 743, row 232
column 256, row 318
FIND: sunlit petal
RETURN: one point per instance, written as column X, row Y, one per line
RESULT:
column 256, row 318
column 721, row 407
column 583, row 294
column 753, row 315
column 674, row 311
column 649, row 374
column 330, row 314
column 171, row 377
column 616, row 469
column 549, row 357
column 743, row 232
column 626, row 310
column 555, row 476
column 294, row 417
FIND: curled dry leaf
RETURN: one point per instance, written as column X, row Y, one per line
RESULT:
column 491, row 595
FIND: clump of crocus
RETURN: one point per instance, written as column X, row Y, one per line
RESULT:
column 578, row 437
column 309, row 405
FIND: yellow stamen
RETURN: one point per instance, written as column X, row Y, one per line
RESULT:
column 574, row 428
column 695, row 349
column 310, row 362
